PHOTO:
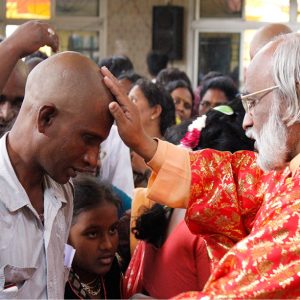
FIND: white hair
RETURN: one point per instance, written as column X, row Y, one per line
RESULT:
column 286, row 74
column 271, row 140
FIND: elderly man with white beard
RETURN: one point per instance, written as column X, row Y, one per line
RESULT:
column 246, row 205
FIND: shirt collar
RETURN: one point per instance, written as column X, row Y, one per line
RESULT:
column 12, row 193
column 294, row 164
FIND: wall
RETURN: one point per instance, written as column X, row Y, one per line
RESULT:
column 129, row 30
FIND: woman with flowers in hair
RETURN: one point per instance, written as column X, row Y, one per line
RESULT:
column 169, row 259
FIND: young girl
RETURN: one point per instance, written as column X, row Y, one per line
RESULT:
column 95, row 272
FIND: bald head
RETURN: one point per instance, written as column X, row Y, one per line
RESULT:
column 67, row 80
column 265, row 35
column 64, row 117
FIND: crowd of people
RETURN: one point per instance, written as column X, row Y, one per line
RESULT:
column 114, row 185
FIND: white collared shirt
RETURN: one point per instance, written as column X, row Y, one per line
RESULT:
column 32, row 254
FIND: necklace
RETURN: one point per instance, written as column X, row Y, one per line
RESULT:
column 92, row 290
column 91, row 282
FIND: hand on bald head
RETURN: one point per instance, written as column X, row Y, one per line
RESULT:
column 68, row 80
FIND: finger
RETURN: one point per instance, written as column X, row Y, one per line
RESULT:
column 107, row 73
column 55, row 44
column 52, row 40
column 116, row 90
column 117, row 112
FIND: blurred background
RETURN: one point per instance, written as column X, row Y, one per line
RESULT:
column 197, row 35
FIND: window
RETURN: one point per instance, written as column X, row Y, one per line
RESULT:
column 221, row 9
column 267, row 11
column 77, row 22
column 219, row 52
column 85, row 42
column 223, row 29
column 87, row 8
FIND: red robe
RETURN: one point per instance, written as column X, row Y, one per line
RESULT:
column 249, row 219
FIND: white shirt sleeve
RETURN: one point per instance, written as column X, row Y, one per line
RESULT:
column 116, row 164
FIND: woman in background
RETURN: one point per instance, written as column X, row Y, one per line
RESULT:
column 216, row 91
column 183, row 98
column 157, row 113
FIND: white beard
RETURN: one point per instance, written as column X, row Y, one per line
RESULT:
column 271, row 143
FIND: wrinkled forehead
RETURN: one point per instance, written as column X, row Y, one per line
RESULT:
column 259, row 72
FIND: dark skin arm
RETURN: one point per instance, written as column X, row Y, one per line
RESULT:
column 28, row 38
column 128, row 119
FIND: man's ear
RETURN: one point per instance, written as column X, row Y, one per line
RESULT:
column 46, row 116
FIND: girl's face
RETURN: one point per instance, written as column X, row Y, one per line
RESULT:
column 95, row 238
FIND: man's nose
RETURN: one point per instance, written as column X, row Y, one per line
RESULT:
column 6, row 111
column 91, row 157
column 248, row 121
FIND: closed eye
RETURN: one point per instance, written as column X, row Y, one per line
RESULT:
column 92, row 139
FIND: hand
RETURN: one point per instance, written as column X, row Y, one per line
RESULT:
column 30, row 36
column 128, row 119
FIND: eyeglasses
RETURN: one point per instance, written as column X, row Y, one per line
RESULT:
column 249, row 100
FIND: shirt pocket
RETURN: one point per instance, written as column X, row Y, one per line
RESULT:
column 13, row 279
column 8, row 225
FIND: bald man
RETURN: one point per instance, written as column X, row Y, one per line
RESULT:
column 266, row 34
column 62, row 121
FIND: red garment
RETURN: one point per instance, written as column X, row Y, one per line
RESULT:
column 250, row 219
column 258, row 214
column 181, row 264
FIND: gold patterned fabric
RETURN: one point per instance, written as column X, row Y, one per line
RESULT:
column 250, row 222
column 248, row 218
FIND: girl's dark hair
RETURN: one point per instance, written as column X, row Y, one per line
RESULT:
column 173, row 85
column 224, row 132
column 151, row 226
column 157, row 95
column 223, row 83
column 90, row 193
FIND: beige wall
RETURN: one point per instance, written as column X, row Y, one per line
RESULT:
column 129, row 30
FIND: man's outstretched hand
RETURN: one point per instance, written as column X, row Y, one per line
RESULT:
column 30, row 36
column 128, row 119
